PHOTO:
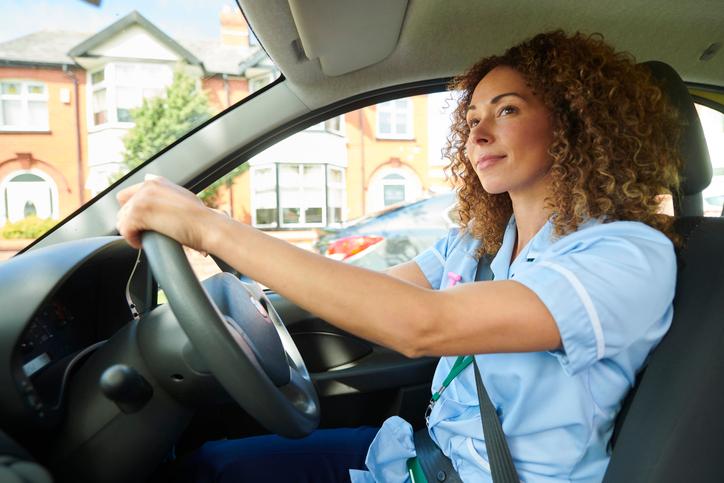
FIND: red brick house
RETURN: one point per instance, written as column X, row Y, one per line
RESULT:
column 65, row 101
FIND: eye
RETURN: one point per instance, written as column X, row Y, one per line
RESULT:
column 506, row 110
column 472, row 123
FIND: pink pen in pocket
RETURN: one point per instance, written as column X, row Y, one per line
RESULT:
column 454, row 278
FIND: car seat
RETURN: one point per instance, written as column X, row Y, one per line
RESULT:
column 671, row 428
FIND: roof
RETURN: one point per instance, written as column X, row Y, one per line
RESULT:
column 43, row 47
column 119, row 26
column 219, row 58
column 57, row 47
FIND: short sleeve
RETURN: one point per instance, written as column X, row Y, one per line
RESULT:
column 432, row 260
column 609, row 288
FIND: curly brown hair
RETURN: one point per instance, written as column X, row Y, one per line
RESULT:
column 615, row 138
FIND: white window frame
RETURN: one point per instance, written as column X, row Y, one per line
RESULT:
column 302, row 208
column 111, row 84
column 254, row 194
column 325, row 126
column 394, row 179
column 103, row 85
column 259, row 81
column 25, row 97
column 375, row 195
column 391, row 108
column 326, row 187
column 342, row 186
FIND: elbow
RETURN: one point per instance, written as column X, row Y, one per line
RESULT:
column 423, row 334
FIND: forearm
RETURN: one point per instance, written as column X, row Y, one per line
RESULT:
column 371, row 305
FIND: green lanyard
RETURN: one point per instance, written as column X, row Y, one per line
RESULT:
column 460, row 364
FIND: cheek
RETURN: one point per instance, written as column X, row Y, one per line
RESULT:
column 538, row 135
column 468, row 146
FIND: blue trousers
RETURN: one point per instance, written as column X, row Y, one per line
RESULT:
column 325, row 456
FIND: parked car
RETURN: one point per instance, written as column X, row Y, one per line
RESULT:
column 101, row 383
column 391, row 236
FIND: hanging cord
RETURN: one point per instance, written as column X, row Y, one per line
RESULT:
column 131, row 306
column 77, row 358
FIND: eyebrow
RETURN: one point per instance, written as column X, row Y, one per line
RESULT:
column 497, row 99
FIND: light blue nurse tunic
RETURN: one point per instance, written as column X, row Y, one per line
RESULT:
column 609, row 287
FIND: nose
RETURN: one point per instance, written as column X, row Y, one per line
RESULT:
column 480, row 134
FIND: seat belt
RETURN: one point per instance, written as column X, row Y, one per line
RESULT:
column 501, row 462
column 431, row 464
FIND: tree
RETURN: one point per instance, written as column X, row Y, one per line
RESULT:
column 162, row 120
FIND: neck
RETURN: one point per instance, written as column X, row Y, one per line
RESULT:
column 530, row 216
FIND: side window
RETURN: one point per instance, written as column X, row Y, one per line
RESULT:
column 364, row 187
column 712, row 121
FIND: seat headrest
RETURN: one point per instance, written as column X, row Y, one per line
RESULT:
column 696, row 171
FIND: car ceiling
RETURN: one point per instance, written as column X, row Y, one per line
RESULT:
column 440, row 38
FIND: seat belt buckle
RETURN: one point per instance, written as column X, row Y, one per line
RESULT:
column 428, row 410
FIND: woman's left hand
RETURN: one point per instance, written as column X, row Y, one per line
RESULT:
column 161, row 206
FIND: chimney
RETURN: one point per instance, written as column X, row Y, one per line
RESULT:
column 234, row 30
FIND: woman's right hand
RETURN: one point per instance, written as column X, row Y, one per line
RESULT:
column 161, row 206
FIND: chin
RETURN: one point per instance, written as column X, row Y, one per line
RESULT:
column 492, row 186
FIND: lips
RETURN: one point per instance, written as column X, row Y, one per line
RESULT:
column 488, row 160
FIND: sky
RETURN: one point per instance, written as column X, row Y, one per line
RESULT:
column 195, row 19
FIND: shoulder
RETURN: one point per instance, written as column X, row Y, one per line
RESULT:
column 616, row 260
column 458, row 240
column 607, row 285
column 616, row 239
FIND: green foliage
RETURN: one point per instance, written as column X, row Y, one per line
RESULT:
column 208, row 195
column 30, row 227
column 162, row 120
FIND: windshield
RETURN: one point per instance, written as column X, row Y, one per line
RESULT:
column 89, row 92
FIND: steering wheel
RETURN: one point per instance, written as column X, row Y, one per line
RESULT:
column 241, row 338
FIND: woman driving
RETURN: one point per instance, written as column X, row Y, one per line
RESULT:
column 560, row 150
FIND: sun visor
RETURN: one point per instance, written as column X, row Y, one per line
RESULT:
column 347, row 35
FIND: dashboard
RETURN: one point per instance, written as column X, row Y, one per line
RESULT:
column 60, row 303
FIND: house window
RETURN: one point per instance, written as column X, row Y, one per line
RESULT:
column 393, row 189
column 23, row 106
column 257, row 82
column 301, row 194
column 335, row 194
column 100, row 109
column 119, row 88
column 394, row 119
column 307, row 195
column 264, row 180
column 393, row 185
column 334, row 125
